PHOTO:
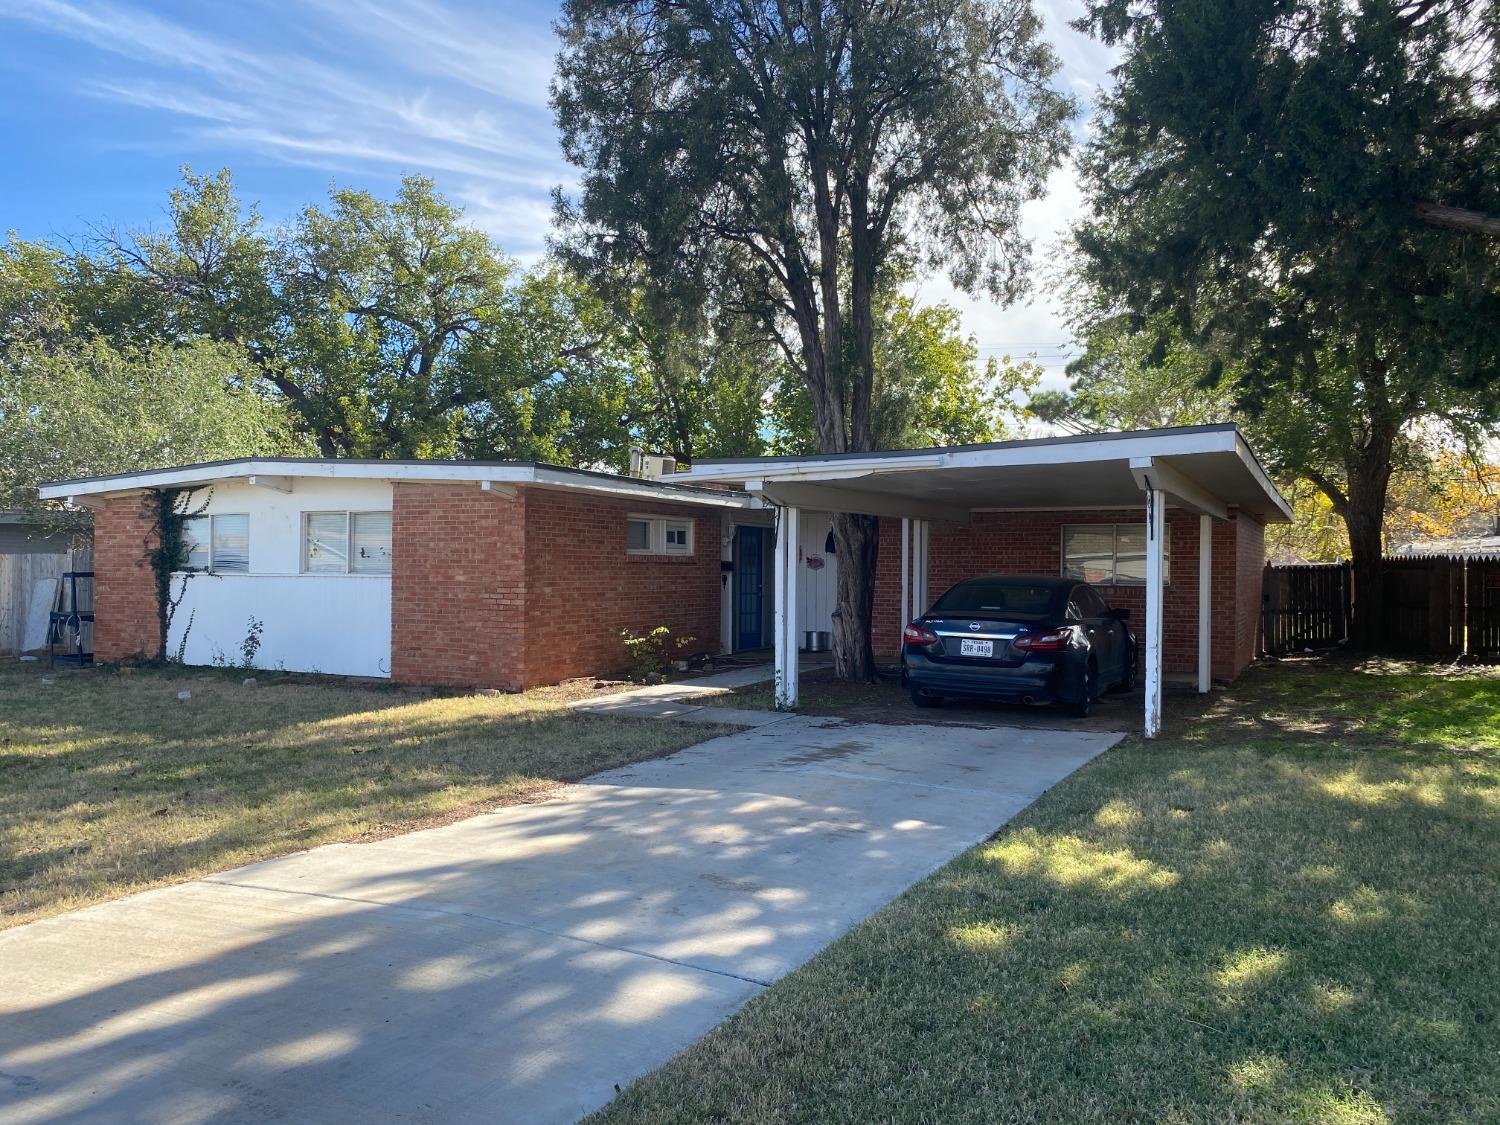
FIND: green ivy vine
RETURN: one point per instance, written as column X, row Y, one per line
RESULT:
column 169, row 509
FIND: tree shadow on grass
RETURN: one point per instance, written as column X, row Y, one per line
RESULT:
column 1244, row 925
column 120, row 786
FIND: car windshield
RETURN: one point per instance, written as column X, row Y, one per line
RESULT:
column 1011, row 598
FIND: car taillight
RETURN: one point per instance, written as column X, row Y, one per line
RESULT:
column 917, row 635
column 1053, row 641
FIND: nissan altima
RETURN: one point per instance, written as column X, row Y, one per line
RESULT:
column 1019, row 638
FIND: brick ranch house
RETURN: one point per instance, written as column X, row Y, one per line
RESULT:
column 515, row 574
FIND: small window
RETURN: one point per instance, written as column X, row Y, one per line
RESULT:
column 638, row 537
column 679, row 537
column 658, row 535
column 346, row 542
column 218, row 543
column 1110, row 554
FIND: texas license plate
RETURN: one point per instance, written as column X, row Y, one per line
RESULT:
column 966, row 647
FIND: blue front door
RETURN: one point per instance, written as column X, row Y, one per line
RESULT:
column 749, row 588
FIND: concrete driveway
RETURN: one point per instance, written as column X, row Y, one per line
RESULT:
column 516, row 966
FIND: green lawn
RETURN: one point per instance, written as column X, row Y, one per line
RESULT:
column 109, row 784
column 1286, row 909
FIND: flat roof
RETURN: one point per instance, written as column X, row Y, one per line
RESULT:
column 438, row 471
column 1208, row 467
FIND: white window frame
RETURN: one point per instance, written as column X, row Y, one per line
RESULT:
column 209, row 544
column 348, row 543
column 657, row 539
column 1114, row 568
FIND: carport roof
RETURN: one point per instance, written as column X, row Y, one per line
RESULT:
column 1209, row 468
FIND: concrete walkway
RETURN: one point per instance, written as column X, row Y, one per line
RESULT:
column 680, row 700
column 516, row 966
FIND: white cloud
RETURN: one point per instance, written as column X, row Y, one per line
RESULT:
column 450, row 88
column 1035, row 323
column 346, row 86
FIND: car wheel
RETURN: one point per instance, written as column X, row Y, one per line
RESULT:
column 922, row 699
column 1088, row 692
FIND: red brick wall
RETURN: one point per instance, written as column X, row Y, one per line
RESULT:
column 458, row 590
column 1031, row 543
column 582, row 587
column 125, row 619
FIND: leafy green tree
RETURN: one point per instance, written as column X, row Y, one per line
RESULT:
column 1136, row 379
column 702, row 384
column 782, row 155
column 87, row 408
column 929, row 386
column 1306, row 188
column 389, row 327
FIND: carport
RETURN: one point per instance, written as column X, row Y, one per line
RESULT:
column 1209, row 471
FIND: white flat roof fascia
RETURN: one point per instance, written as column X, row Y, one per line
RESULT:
column 546, row 477
column 445, row 472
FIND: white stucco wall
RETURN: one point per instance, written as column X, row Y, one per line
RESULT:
column 335, row 623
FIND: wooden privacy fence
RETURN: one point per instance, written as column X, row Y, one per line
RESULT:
column 1442, row 605
column 1305, row 606
column 19, row 574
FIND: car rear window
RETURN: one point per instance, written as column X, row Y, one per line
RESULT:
column 1022, row 598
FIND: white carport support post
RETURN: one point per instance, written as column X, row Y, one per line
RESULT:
column 1156, row 513
column 920, row 537
column 1205, row 602
column 786, row 608
column 915, row 537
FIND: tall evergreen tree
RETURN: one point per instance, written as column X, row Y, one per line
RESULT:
column 1310, row 187
column 780, row 154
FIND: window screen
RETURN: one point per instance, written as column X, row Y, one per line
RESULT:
column 325, row 542
column 638, row 535
column 677, row 541
column 231, row 544
column 370, row 543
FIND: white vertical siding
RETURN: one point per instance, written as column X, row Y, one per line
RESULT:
column 817, row 589
column 334, row 623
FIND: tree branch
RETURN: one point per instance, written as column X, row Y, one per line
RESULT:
column 1459, row 219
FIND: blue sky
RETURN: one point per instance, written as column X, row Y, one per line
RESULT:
column 102, row 102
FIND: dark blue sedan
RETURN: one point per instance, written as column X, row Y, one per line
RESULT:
column 1024, row 639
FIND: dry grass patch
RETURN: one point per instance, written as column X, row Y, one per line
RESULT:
column 109, row 784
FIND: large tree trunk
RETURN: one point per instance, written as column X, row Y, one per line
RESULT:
column 857, row 539
column 1364, row 513
column 857, row 536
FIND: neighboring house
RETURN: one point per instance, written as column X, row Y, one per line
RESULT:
column 1468, row 546
column 516, row 574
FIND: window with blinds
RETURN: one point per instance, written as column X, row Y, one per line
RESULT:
column 346, row 542
column 218, row 544
column 1110, row 554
